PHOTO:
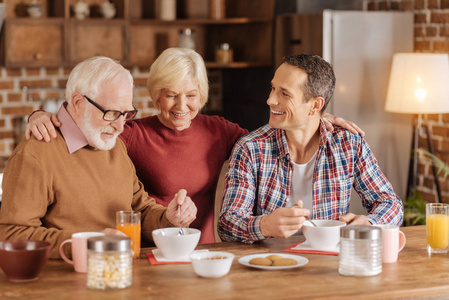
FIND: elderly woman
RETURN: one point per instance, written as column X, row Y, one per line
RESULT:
column 178, row 148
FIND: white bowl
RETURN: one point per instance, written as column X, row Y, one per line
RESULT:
column 173, row 245
column 212, row 264
column 325, row 236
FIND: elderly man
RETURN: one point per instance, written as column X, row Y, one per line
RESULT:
column 79, row 180
column 281, row 172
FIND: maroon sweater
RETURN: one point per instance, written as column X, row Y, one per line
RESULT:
column 167, row 160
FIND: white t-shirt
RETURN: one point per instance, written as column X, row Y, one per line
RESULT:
column 301, row 185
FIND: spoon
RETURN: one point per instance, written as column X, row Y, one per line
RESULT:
column 307, row 218
column 180, row 231
column 311, row 222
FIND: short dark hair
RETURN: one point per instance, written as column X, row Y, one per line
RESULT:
column 320, row 76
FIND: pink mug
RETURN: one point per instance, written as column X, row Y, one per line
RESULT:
column 79, row 250
column 393, row 241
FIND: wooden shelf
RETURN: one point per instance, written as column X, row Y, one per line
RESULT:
column 155, row 22
column 236, row 65
column 136, row 36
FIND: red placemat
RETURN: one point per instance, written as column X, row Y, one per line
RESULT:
column 152, row 260
column 311, row 251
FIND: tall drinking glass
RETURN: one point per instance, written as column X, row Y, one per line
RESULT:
column 437, row 227
column 128, row 222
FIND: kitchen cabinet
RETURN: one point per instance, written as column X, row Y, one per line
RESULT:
column 147, row 39
column 247, row 26
column 89, row 38
column 136, row 35
column 57, row 38
column 34, row 42
column 298, row 33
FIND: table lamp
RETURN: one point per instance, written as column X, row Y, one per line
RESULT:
column 419, row 84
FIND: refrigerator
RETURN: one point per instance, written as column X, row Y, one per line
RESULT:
column 360, row 46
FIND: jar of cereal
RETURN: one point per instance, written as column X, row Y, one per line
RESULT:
column 109, row 262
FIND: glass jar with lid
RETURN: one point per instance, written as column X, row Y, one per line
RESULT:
column 360, row 250
column 186, row 38
column 224, row 54
column 109, row 262
column 167, row 10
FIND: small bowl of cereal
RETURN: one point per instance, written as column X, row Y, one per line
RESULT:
column 211, row 264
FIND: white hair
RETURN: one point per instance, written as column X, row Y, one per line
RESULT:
column 88, row 77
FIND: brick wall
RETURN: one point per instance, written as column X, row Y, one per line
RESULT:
column 431, row 36
column 27, row 89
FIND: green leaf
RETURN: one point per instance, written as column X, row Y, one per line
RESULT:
column 443, row 169
column 414, row 210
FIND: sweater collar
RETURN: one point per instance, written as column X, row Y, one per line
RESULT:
column 159, row 126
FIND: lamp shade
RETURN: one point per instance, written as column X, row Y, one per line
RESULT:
column 419, row 84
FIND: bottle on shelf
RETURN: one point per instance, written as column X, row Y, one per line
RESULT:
column 81, row 10
column 107, row 10
column 224, row 54
column 186, row 38
column 34, row 9
column 167, row 10
column 217, row 9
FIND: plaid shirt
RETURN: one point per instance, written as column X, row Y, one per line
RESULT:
column 259, row 176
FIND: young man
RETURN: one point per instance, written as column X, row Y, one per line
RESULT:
column 294, row 166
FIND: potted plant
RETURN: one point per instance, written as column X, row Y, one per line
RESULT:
column 414, row 210
column 415, row 205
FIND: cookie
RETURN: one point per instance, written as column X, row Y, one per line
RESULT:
column 274, row 257
column 285, row 262
column 261, row 261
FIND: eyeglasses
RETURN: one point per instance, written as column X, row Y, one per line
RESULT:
column 112, row 115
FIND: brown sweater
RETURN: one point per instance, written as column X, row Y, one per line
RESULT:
column 48, row 193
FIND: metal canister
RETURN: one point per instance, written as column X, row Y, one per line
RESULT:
column 360, row 251
column 109, row 262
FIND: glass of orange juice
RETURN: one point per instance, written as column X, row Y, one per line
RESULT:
column 437, row 227
column 128, row 222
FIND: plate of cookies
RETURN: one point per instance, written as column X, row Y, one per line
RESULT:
column 273, row 261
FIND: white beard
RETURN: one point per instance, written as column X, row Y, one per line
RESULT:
column 93, row 135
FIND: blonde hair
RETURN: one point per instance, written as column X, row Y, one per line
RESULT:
column 174, row 66
column 88, row 76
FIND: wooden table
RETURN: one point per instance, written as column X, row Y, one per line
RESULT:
column 415, row 275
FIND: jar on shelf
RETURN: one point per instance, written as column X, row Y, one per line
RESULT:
column 186, row 38
column 34, row 9
column 81, row 10
column 109, row 262
column 167, row 10
column 108, row 10
column 224, row 54
column 360, row 250
column 217, row 9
